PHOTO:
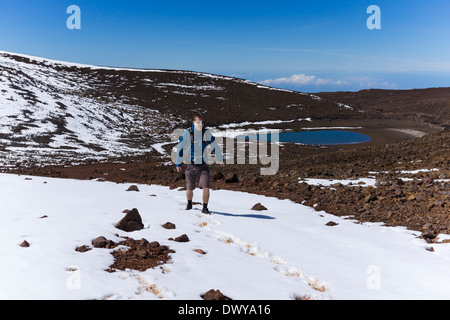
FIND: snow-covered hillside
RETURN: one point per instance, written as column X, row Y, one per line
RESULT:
column 288, row 251
column 64, row 113
column 57, row 109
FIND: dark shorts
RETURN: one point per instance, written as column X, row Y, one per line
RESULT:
column 197, row 170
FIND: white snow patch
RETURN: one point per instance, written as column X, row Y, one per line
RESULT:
column 363, row 182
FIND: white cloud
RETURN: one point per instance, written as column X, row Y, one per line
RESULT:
column 350, row 83
column 303, row 80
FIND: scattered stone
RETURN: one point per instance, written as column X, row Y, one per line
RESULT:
column 182, row 238
column 83, row 249
column 303, row 186
column 429, row 236
column 43, row 217
column 141, row 255
column 385, row 180
column 102, row 242
column 259, row 207
column 332, row 224
column 72, row 269
column 200, row 251
column 370, row 198
column 168, row 225
column 302, row 298
column 131, row 222
column 336, row 185
column 214, row 295
column 24, row 244
column 231, row 178
column 153, row 244
column 217, row 175
column 133, row 188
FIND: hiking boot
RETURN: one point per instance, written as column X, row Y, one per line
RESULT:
column 189, row 206
column 206, row 211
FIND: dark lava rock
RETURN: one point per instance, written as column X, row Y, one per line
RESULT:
column 168, row 225
column 370, row 198
column 102, row 242
column 131, row 222
column 141, row 255
column 231, row 178
column 24, row 244
column 259, row 207
column 200, row 251
column 182, row 238
column 214, row 295
column 133, row 188
column 83, row 249
column 153, row 245
column 331, row 224
column 217, row 175
column 429, row 235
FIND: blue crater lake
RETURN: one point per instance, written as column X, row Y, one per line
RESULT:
column 320, row 137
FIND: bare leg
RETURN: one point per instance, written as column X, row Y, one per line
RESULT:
column 205, row 195
column 189, row 194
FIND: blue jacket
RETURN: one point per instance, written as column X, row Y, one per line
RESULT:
column 191, row 141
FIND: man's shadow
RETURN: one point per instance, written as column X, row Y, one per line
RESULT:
column 257, row 216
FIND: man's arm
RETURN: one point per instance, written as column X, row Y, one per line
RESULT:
column 182, row 144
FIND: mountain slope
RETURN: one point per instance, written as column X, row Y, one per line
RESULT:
column 431, row 105
column 53, row 111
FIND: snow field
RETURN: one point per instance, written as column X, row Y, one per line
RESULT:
column 285, row 252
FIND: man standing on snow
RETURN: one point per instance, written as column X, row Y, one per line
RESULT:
column 195, row 140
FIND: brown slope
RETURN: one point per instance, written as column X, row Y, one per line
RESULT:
column 431, row 105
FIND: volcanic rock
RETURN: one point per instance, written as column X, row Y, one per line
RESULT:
column 370, row 198
column 259, row 207
column 24, row 244
column 182, row 238
column 200, row 251
column 429, row 235
column 102, row 242
column 217, row 175
column 82, row 249
column 214, row 295
column 168, row 225
column 131, row 222
column 133, row 188
column 141, row 255
column 231, row 178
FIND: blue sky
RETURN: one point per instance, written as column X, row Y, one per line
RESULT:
column 309, row 46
